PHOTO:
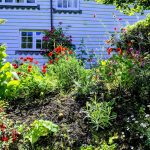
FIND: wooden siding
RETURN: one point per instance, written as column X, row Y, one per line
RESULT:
column 93, row 29
column 23, row 19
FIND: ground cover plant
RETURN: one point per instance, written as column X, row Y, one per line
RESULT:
column 61, row 105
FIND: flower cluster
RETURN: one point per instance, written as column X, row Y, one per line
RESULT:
column 8, row 134
column 22, row 60
column 58, row 52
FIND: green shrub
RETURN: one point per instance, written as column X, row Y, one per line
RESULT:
column 7, row 75
column 67, row 71
column 99, row 113
column 136, row 37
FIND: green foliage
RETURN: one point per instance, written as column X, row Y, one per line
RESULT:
column 100, row 114
column 118, row 71
column 67, row 71
column 136, row 37
column 38, row 129
column 110, row 145
column 7, row 81
column 128, row 7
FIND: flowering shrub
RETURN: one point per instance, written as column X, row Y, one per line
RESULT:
column 54, row 38
column 33, row 80
column 136, row 37
column 58, row 53
column 8, row 132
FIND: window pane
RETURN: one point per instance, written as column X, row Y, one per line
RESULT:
column 8, row 1
column 24, row 39
column 29, row 45
column 30, row 33
column 23, row 45
column 38, row 33
column 30, row 1
column 69, row 3
column 38, row 44
column 64, row 3
column 60, row 3
column 24, row 34
column 75, row 3
column 19, row 1
column 29, row 39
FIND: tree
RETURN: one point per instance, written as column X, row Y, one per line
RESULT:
column 128, row 7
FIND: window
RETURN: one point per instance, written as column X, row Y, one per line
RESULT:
column 17, row 2
column 31, row 40
column 68, row 4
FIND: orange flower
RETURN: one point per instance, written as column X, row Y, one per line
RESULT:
column 29, row 69
column 29, row 66
column 119, row 50
column 56, row 59
column 44, row 70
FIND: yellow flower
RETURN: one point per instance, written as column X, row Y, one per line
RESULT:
column 8, row 74
column 103, row 63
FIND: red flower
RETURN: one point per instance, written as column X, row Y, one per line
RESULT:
column 3, row 127
column 67, row 59
column 29, row 69
column 119, row 50
column 44, row 66
column 50, row 54
column 70, row 52
column 36, row 62
column 21, row 57
column 15, row 66
column 50, row 61
column 44, row 70
column 29, row 66
column 4, row 138
column 56, row 59
column 25, row 59
column 109, row 50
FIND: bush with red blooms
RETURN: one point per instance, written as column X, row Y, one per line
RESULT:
column 54, row 38
column 25, row 65
column 8, row 133
column 58, row 53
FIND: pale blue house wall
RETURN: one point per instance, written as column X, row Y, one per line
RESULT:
column 92, row 29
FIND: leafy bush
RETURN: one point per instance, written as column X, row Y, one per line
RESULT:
column 136, row 37
column 34, row 82
column 39, row 128
column 67, row 70
column 99, row 113
column 7, row 76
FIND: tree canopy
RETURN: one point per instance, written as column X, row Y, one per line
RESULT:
column 128, row 7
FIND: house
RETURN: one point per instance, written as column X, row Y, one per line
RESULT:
column 27, row 19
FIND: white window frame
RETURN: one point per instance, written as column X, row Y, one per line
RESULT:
column 68, row 8
column 13, row 3
column 35, row 37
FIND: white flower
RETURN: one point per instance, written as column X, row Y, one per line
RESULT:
column 147, row 115
column 143, row 125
